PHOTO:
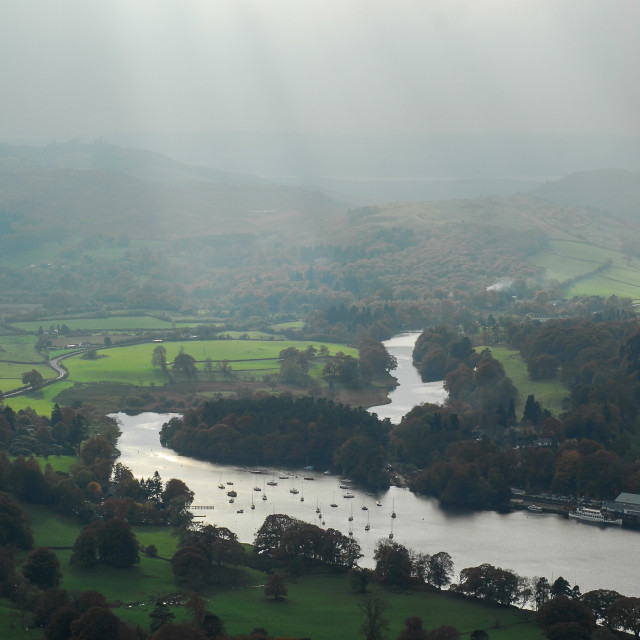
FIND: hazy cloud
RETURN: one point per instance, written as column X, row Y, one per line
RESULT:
column 89, row 67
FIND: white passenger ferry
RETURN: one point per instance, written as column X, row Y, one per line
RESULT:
column 593, row 515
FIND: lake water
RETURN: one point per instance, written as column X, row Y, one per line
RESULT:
column 529, row 544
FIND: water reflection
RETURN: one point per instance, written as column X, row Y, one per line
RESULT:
column 410, row 391
column 530, row 544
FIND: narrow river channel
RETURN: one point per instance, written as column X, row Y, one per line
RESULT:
column 529, row 544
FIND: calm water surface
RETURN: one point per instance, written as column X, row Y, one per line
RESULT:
column 529, row 544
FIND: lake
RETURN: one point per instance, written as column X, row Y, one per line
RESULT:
column 528, row 543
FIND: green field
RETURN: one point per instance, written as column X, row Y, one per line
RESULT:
column 549, row 393
column 132, row 364
column 19, row 348
column 565, row 260
column 11, row 374
column 109, row 323
column 41, row 401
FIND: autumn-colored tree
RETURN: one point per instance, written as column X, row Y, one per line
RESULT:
column 276, row 586
column 42, row 568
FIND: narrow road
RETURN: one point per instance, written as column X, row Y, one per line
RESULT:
column 61, row 374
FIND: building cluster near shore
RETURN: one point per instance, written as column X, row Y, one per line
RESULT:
column 627, row 507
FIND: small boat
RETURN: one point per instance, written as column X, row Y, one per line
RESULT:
column 221, row 486
column 535, row 508
column 344, row 486
column 229, row 482
column 367, row 526
column 284, row 477
column 253, row 506
column 257, row 489
column 327, row 472
column 393, row 509
column 264, row 496
column 272, row 482
column 378, row 503
column 240, row 511
column 333, row 504
column 231, row 500
column 293, row 490
column 308, row 478
column 348, row 495
column 364, row 507
column 351, row 514
column 232, row 493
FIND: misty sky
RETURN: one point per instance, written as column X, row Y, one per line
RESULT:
column 101, row 67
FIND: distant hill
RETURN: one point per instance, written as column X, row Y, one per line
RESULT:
column 76, row 190
column 139, row 163
column 615, row 191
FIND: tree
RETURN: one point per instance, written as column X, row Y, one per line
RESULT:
column 186, row 364
column 393, row 563
column 625, row 613
column 542, row 591
column 98, row 623
column 159, row 358
column 440, row 570
column 175, row 488
column 375, row 625
column 276, row 586
column 197, row 606
column 543, row 367
column 359, row 579
column 599, row 601
column 564, row 618
column 117, row 544
column 191, row 567
column 50, row 601
column 32, row 379
column 160, row 615
column 42, row 569
column 413, row 629
column 85, row 548
column 15, row 529
column 560, row 587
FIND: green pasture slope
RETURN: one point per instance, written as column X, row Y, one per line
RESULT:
column 317, row 605
column 566, row 260
column 549, row 393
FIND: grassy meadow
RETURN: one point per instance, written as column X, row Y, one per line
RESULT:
column 132, row 364
column 549, row 393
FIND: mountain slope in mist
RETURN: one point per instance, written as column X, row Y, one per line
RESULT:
column 615, row 191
